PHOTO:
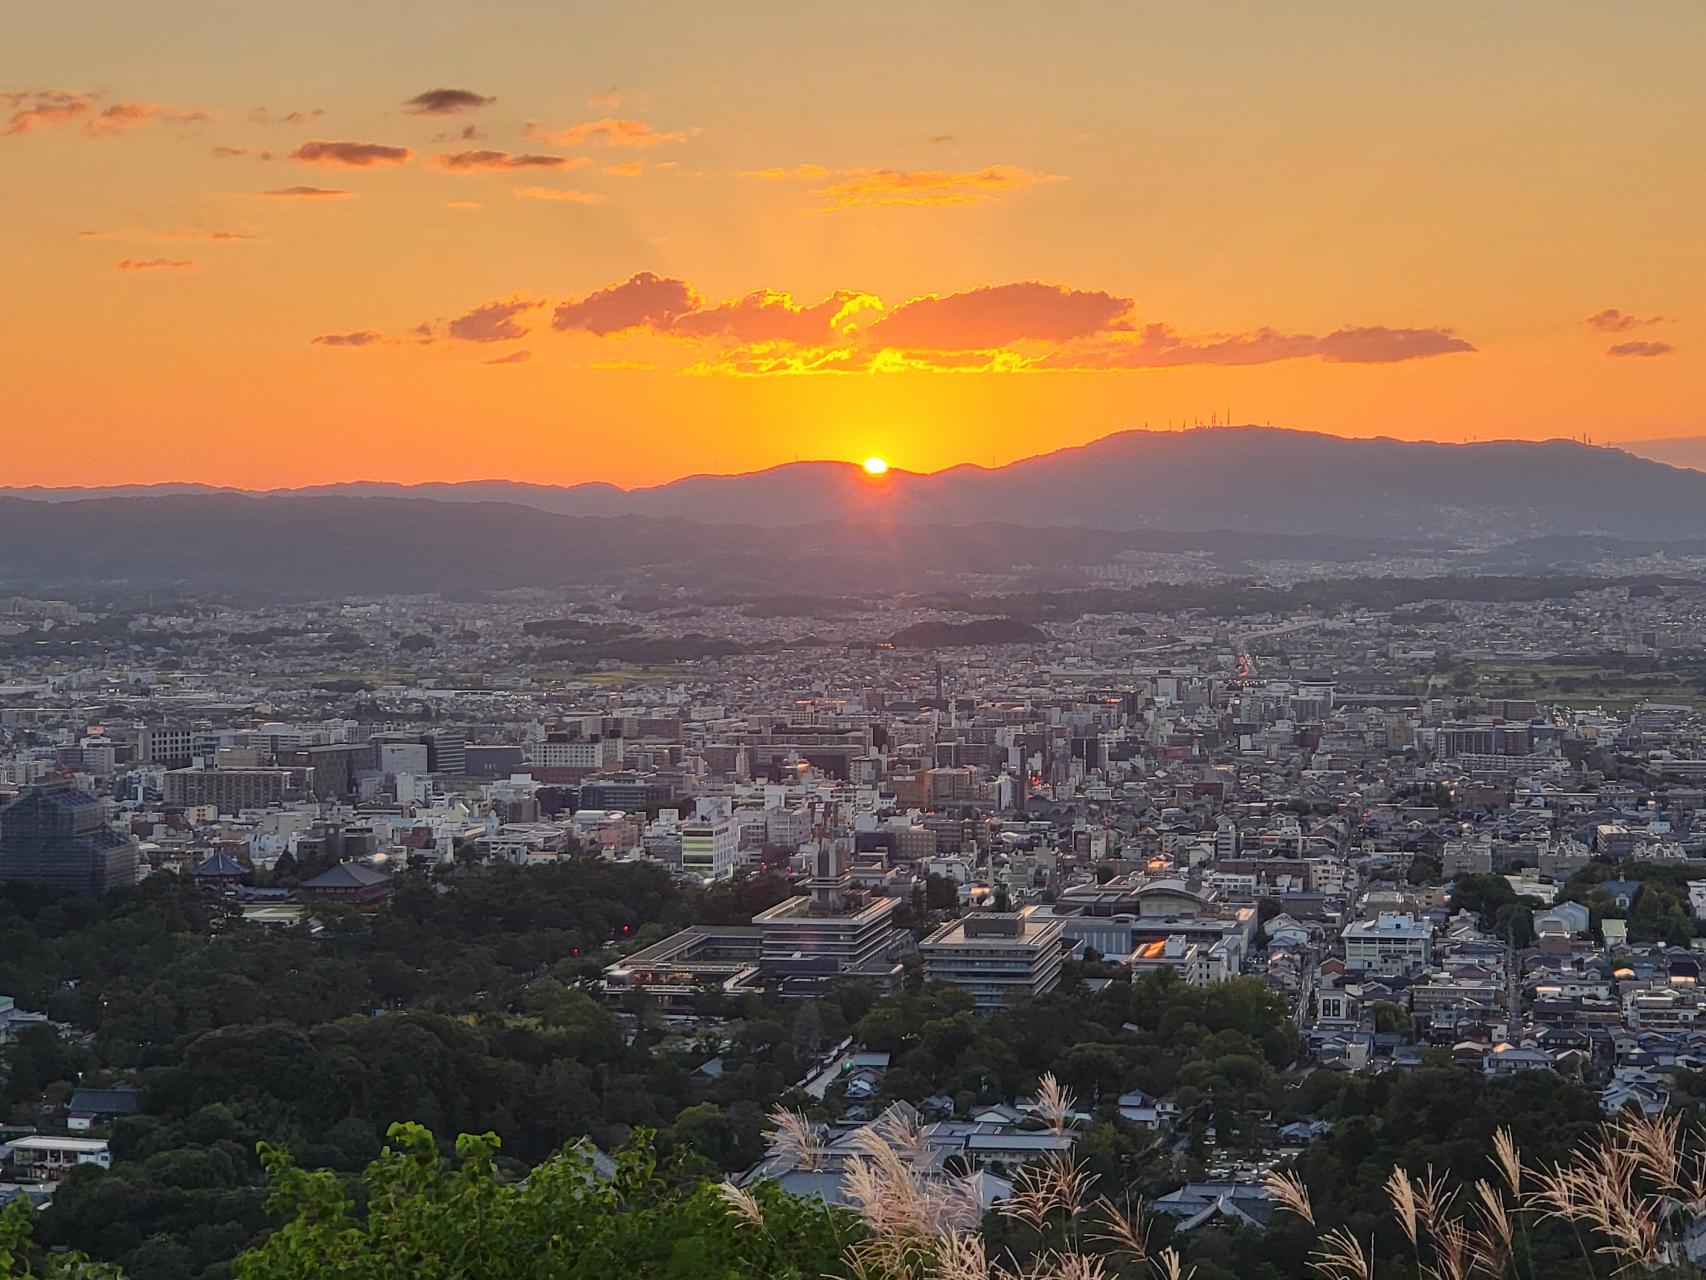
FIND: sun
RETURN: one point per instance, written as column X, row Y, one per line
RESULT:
column 876, row 466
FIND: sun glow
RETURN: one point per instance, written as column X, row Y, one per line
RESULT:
column 876, row 466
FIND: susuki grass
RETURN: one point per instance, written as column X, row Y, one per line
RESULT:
column 1628, row 1193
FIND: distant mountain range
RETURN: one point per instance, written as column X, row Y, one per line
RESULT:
column 1676, row 451
column 1231, row 494
column 1253, row 479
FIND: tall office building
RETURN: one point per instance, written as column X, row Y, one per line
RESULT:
column 57, row 837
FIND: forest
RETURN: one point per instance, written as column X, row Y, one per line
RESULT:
column 266, row 1058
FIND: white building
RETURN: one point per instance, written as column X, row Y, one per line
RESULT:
column 1393, row 942
column 709, row 848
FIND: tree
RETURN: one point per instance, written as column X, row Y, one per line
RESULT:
column 428, row 1218
column 19, row 1258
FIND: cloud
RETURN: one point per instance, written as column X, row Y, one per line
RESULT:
column 307, row 193
column 467, row 133
column 154, row 264
column 463, row 204
column 1159, row 346
column 229, row 153
column 766, row 315
column 997, row 315
column 568, row 194
column 360, row 338
column 122, row 117
column 260, row 115
column 1647, row 349
column 209, row 237
column 197, row 235
column 644, row 300
column 46, row 109
column 1376, row 344
column 627, row 169
column 514, row 357
column 607, row 132
column 350, row 155
column 852, row 188
column 446, row 102
column 52, row 108
column 1024, row 326
column 494, row 322
column 489, row 161
column 1611, row 320
column 609, row 100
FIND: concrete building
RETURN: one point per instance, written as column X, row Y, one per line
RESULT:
column 709, row 848
column 831, row 929
column 228, row 791
column 56, row 836
column 1392, row 942
column 996, row 956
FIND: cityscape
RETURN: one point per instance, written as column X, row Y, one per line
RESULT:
column 932, row 772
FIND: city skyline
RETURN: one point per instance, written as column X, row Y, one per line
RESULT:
column 562, row 245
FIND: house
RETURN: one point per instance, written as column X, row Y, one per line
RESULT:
column 1621, row 892
column 1139, row 1108
column 44, row 1157
column 1508, row 1059
column 14, row 1020
column 90, row 1107
column 1197, row 1203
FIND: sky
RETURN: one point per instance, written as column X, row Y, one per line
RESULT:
column 423, row 240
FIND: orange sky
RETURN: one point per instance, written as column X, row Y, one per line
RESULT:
column 637, row 241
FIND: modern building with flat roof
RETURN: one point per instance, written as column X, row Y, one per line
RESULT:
column 996, row 956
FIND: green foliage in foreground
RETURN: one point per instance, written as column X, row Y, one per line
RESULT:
column 416, row 1215
column 428, row 1217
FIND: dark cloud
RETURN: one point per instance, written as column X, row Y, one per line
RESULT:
column 228, row 153
column 260, row 115
column 154, row 264
column 489, row 161
column 446, row 102
column 1160, row 346
column 1376, row 344
column 1647, row 349
column 307, row 193
column 360, row 338
column 350, row 155
column 1611, row 320
column 514, row 357
column 642, row 301
column 493, row 322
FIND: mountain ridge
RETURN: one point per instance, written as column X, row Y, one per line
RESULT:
column 1256, row 479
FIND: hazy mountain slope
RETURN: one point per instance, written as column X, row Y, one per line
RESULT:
column 1254, row 480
